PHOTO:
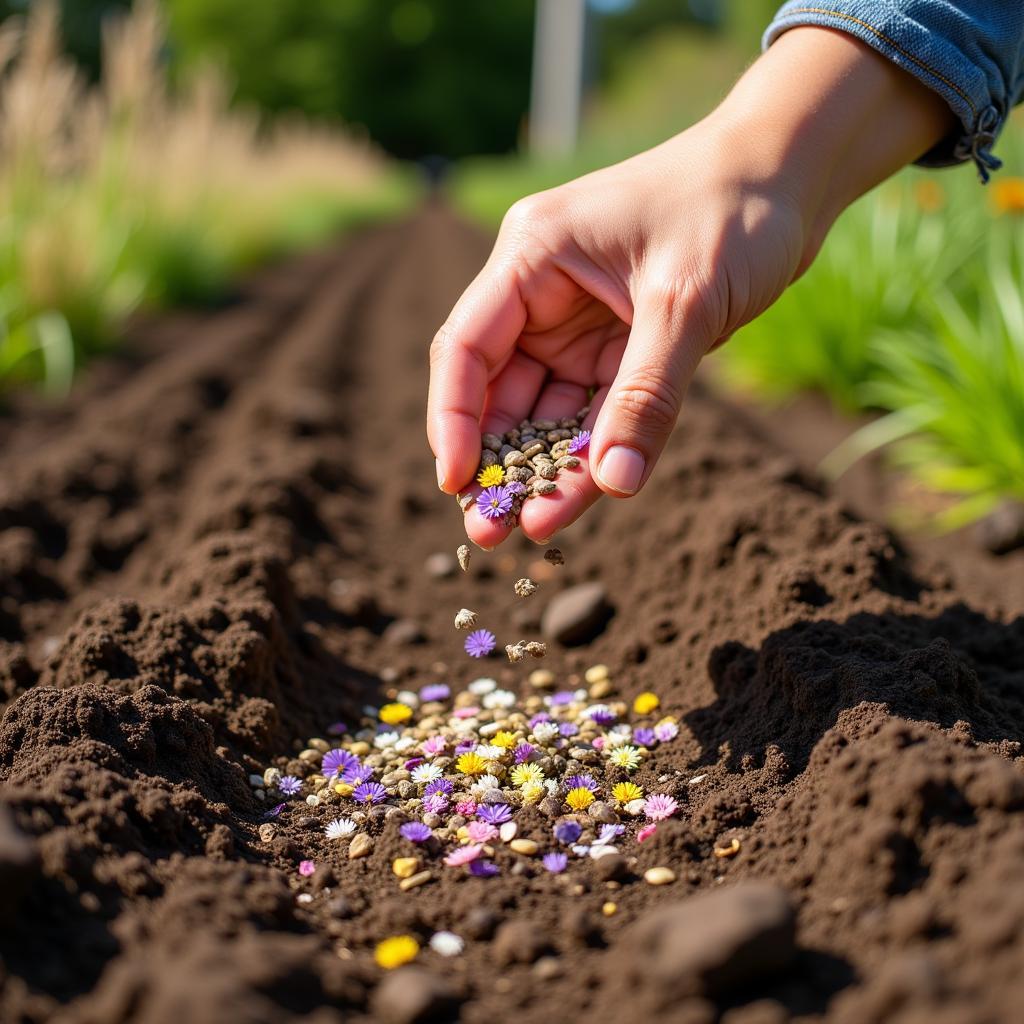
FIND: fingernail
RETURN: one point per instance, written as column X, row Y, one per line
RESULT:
column 440, row 475
column 622, row 469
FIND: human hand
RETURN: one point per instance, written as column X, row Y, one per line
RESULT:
column 618, row 283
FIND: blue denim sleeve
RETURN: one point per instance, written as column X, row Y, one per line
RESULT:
column 971, row 52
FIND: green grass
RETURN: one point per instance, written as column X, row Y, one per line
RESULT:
column 127, row 194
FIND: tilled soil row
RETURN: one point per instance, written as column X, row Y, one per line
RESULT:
column 211, row 553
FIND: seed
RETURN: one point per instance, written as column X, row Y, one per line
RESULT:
column 465, row 619
column 582, row 415
column 405, row 867
column 546, row 470
column 525, row 587
column 596, row 673
column 414, row 881
column 560, row 449
column 567, row 462
column 554, row 556
column 311, row 756
column 491, row 442
column 529, row 449
column 535, row 649
column 728, row 851
column 659, row 876
column 466, row 500
column 462, row 554
column 360, row 846
column 544, row 424
column 542, row 679
column 527, row 847
column 518, row 474
column 514, row 458
column 488, row 459
column 542, row 487
column 508, row 831
column 267, row 832
column 515, row 652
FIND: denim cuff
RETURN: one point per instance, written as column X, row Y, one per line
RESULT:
column 941, row 45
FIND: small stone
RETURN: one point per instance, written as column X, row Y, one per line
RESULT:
column 611, row 867
column 462, row 554
column 550, row 807
column 716, row 942
column 481, row 923
column 601, row 689
column 360, row 846
column 406, row 789
column 542, row 679
column 634, row 807
column 554, row 556
column 527, row 847
column 520, row 942
column 413, row 995
column 524, row 587
column 402, row 633
column 405, row 867
column 547, row 968
column 465, row 619
column 577, row 614
column 415, row 881
column 596, row 674
column 267, row 832
column 659, row 876
column 441, row 565
column 601, row 812
column 609, row 908
column 508, row 831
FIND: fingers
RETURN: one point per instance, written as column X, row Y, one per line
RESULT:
column 666, row 342
column 471, row 349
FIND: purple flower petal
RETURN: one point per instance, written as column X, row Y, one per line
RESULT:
column 415, row 832
column 555, row 862
column 479, row 643
column 494, row 502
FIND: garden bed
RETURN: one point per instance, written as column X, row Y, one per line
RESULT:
column 215, row 551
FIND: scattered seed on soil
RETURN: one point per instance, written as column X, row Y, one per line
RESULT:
column 415, row 881
column 730, row 850
column 361, row 846
column 659, row 876
column 525, row 587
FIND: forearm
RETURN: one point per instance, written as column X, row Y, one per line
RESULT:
column 822, row 118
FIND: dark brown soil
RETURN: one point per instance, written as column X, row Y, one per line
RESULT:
column 201, row 555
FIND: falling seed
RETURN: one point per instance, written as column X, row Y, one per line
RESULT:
column 525, row 587
column 462, row 554
column 465, row 619
column 535, row 649
column 554, row 556
column 516, row 652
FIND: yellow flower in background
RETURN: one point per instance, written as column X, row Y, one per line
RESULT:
column 491, row 476
column 525, row 774
column 929, row 195
column 579, row 799
column 1008, row 195
column 626, row 791
column 504, row 739
column 395, row 714
column 646, row 702
column 471, row 764
column 394, row 952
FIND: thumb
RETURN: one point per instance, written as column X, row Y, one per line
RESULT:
column 666, row 342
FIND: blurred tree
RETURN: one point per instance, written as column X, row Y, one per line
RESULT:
column 423, row 76
column 80, row 23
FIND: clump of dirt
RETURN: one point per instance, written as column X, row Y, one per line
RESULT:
column 228, row 542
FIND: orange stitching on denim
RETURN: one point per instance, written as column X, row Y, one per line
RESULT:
column 896, row 46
